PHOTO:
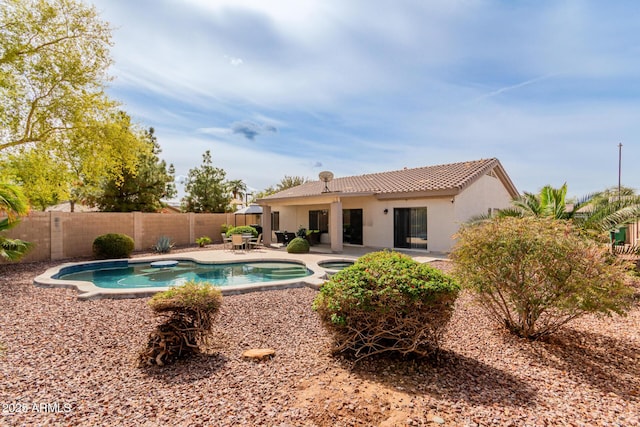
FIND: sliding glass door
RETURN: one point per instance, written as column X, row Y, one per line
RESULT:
column 410, row 228
column 352, row 226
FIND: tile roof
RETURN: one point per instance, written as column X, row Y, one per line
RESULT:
column 439, row 178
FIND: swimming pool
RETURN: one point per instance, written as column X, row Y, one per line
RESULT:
column 126, row 275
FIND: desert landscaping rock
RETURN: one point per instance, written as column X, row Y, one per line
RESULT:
column 66, row 362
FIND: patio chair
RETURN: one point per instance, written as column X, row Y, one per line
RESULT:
column 237, row 240
column 254, row 243
column 225, row 240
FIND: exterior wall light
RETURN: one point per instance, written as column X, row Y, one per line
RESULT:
column 386, row 211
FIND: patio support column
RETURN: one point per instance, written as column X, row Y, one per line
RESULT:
column 335, row 226
column 266, row 225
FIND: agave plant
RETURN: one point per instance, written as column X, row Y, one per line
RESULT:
column 163, row 245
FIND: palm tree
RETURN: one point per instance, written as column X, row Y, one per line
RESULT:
column 550, row 202
column 605, row 211
column 598, row 214
column 237, row 187
column 13, row 204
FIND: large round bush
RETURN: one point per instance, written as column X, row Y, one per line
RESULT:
column 112, row 245
column 534, row 275
column 298, row 245
column 387, row 302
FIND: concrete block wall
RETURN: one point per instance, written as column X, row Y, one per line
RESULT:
column 80, row 230
column 61, row 235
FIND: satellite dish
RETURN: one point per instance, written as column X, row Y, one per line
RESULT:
column 326, row 176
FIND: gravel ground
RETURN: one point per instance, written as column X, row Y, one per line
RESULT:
column 68, row 362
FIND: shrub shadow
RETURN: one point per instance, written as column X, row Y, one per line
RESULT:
column 186, row 371
column 610, row 364
column 449, row 375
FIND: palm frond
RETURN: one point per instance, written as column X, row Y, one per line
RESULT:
column 13, row 249
column 618, row 217
column 626, row 249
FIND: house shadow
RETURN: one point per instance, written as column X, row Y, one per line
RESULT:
column 448, row 376
column 609, row 364
column 186, row 371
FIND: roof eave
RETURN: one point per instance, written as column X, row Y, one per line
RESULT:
column 446, row 192
column 328, row 194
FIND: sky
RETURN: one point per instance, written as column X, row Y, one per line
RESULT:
column 289, row 87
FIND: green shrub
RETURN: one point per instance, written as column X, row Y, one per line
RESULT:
column 225, row 227
column 112, row 245
column 189, row 310
column 242, row 229
column 386, row 302
column 534, row 275
column 298, row 245
column 163, row 245
column 203, row 241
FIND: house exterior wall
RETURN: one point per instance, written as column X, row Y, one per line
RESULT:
column 377, row 227
column 445, row 214
column 484, row 194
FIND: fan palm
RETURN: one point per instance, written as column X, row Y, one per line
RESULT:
column 12, row 204
column 598, row 214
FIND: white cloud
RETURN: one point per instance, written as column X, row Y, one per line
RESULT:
column 545, row 87
column 236, row 62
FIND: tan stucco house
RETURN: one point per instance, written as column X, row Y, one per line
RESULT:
column 417, row 208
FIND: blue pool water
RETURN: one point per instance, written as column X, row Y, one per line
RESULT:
column 122, row 275
column 335, row 265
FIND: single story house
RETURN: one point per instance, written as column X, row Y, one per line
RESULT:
column 418, row 208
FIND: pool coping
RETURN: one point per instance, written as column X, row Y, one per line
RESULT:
column 89, row 291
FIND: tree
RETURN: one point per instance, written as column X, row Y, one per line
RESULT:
column 290, row 181
column 596, row 214
column 237, row 188
column 54, row 55
column 205, row 188
column 606, row 210
column 550, row 202
column 13, row 204
column 142, row 188
column 74, row 166
column 43, row 178
column 266, row 192
column 285, row 183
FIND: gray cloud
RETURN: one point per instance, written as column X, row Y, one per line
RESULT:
column 251, row 129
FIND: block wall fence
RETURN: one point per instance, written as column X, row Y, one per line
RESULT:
column 61, row 235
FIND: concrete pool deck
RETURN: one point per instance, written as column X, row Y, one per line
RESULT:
column 312, row 260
